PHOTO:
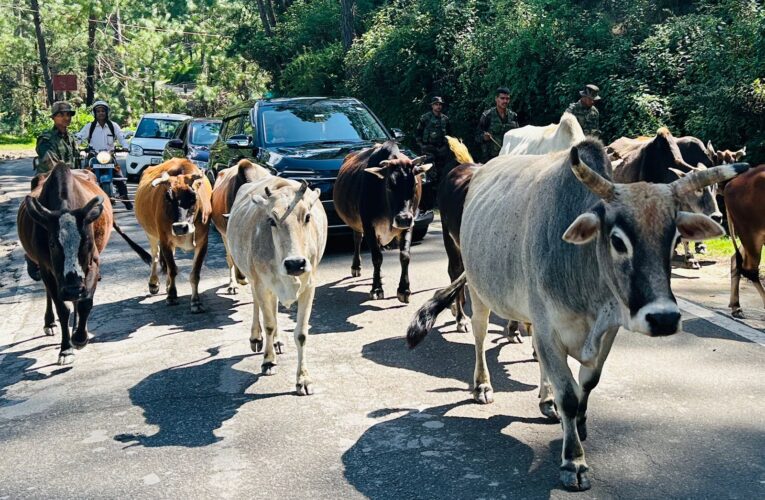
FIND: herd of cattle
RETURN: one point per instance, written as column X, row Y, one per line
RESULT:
column 571, row 238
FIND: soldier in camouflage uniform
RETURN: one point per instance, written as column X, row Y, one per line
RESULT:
column 494, row 123
column 57, row 141
column 431, row 138
column 585, row 111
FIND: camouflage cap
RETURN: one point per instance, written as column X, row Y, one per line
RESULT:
column 61, row 107
column 590, row 91
column 436, row 100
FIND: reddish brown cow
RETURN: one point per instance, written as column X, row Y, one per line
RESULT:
column 227, row 184
column 746, row 219
column 64, row 225
column 377, row 193
column 172, row 204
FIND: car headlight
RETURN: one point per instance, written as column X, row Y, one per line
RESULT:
column 136, row 150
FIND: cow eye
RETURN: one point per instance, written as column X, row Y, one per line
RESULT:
column 307, row 218
column 618, row 244
column 271, row 222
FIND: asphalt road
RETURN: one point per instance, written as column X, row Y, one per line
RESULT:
column 164, row 403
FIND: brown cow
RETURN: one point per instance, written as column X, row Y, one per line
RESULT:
column 746, row 219
column 172, row 204
column 64, row 225
column 227, row 184
column 377, row 193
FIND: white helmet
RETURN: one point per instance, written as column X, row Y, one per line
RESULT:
column 100, row 103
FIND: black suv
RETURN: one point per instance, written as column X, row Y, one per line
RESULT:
column 305, row 138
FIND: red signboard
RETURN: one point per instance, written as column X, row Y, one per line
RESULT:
column 64, row 83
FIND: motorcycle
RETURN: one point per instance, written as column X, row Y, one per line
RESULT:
column 104, row 166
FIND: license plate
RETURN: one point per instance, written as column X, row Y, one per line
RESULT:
column 155, row 161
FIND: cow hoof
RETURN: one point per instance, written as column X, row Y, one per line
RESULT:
column 153, row 289
column 403, row 297
column 376, row 294
column 483, row 394
column 196, row 308
column 355, row 273
column 575, row 480
column 232, row 290
column 462, row 326
column 50, row 330
column 581, row 428
column 172, row 301
column 548, row 410
column 268, row 368
column 242, row 281
column 692, row 264
column 256, row 345
column 514, row 336
column 304, row 389
column 279, row 347
column 78, row 343
column 66, row 357
column 736, row 313
column 701, row 249
column 534, row 354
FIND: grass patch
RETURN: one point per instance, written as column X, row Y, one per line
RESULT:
column 720, row 248
column 10, row 142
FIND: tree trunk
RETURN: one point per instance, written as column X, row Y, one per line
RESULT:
column 270, row 13
column 43, row 50
column 264, row 18
column 346, row 23
column 122, row 95
column 90, row 70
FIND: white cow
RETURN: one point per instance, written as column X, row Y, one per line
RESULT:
column 533, row 140
column 277, row 232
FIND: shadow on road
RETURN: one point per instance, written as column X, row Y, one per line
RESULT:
column 114, row 321
column 427, row 454
column 443, row 359
column 16, row 366
column 188, row 403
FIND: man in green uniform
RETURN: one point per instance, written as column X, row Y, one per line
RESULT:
column 585, row 111
column 494, row 123
column 431, row 138
column 57, row 142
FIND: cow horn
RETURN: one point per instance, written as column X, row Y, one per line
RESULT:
column 164, row 178
column 196, row 177
column 591, row 179
column 302, row 190
column 699, row 179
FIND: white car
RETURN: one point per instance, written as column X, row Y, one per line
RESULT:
column 151, row 135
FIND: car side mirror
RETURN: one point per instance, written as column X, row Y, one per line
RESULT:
column 175, row 144
column 239, row 142
column 398, row 134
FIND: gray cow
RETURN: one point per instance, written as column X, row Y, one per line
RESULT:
column 577, row 259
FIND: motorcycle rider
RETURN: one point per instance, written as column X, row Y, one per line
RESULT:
column 101, row 134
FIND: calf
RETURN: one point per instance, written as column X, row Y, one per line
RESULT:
column 172, row 204
column 277, row 232
column 589, row 256
column 64, row 225
column 377, row 193
column 227, row 184
column 746, row 219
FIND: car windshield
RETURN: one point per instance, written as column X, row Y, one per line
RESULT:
column 321, row 122
column 157, row 128
column 204, row 133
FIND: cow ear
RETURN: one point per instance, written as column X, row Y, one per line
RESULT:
column 697, row 227
column 38, row 212
column 583, row 229
column 92, row 210
column 164, row 179
column 375, row 171
column 315, row 194
column 421, row 169
column 259, row 200
column 737, row 155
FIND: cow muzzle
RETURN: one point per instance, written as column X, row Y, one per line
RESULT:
column 657, row 319
column 73, row 288
column 717, row 217
column 296, row 266
column 182, row 228
column 403, row 220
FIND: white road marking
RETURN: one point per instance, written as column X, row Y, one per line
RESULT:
column 729, row 324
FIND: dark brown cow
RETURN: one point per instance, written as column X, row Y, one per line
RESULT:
column 64, row 225
column 172, row 204
column 377, row 193
column 746, row 219
column 227, row 184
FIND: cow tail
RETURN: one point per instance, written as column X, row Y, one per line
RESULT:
column 145, row 256
column 426, row 315
column 751, row 275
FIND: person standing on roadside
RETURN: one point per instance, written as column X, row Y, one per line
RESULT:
column 57, row 143
column 585, row 111
column 431, row 133
column 494, row 123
